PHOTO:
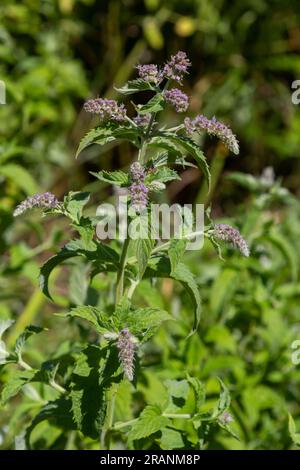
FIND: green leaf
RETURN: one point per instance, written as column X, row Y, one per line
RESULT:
column 99, row 254
column 93, row 315
column 143, row 248
column 154, row 105
column 133, row 86
column 176, row 252
column 165, row 142
column 185, row 276
column 183, row 144
column 74, row 203
column 94, row 373
column 99, row 135
column 150, row 421
column 21, row 178
column 48, row 267
column 119, row 178
column 27, row 333
column 192, row 148
column 15, row 384
column 199, row 391
column 107, row 133
column 224, row 401
column 163, row 175
column 292, row 431
column 160, row 266
column 58, row 412
column 143, row 322
column 87, row 394
column 171, row 439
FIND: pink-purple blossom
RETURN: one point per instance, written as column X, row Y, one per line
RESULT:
column 137, row 172
column 139, row 196
column 178, row 99
column 149, row 73
column 43, row 201
column 213, row 127
column 126, row 346
column 177, row 67
column 107, row 110
column 231, row 235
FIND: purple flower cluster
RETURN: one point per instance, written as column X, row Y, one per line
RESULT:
column 126, row 347
column 178, row 99
column 137, row 172
column 213, row 127
column 139, row 196
column 142, row 120
column 231, row 235
column 44, row 201
column 149, row 73
column 177, row 67
column 226, row 418
column 106, row 109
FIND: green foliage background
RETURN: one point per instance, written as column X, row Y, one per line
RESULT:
column 245, row 55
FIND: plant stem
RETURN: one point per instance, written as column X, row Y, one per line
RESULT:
column 120, row 276
column 118, row 426
column 51, row 382
column 109, row 419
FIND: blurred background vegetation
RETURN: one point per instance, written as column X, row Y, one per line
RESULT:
column 245, row 55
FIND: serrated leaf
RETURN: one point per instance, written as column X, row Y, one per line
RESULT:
column 74, row 203
column 183, row 144
column 224, row 401
column 150, row 421
column 57, row 412
column 185, row 276
column 133, row 86
column 161, row 267
column 48, row 267
column 107, row 133
column 87, row 395
column 199, row 391
column 295, row 436
column 99, row 135
column 93, row 374
column 163, row 175
column 154, row 105
column 99, row 254
column 15, row 384
column 176, row 252
column 143, row 248
column 93, row 315
column 143, row 322
column 119, row 178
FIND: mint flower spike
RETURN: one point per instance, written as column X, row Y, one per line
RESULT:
column 137, row 171
column 139, row 196
column 149, row 73
column 178, row 99
column 43, row 201
column 213, row 127
column 126, row 345
column 108, row 110
column 177, row 67
column 231, row 235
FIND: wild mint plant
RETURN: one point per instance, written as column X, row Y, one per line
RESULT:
column 88, row 382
